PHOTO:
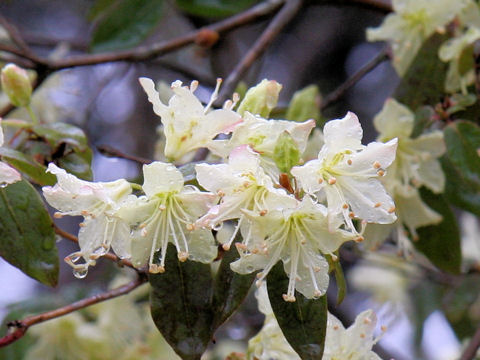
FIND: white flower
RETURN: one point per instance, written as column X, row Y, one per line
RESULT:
column 166, row 215
column 8, row 175
column 411, row 24
column 187, row 124
column 417, row 162
column 347, row 172
column 243, row 185
column 298, row 236
column 97, row 202
column 354, row 343
column 261, row 135
column 458, row 52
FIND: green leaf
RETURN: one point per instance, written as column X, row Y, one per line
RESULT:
column 440, row 243
column 68, row 148
column 462, row 165
column 230, row 289
column 305, row 105
column 181, row 305
column 27, row 165
column 26, row 230
column 303, row 322
column 424, row 81
column 125, row 23
column 214, row 8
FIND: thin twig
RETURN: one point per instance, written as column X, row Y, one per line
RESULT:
column 109, row 256
column 474, row 344
column 16, row 37
column 108, row 150
column 284, row 16
column 17, row 329
column 151, row 51
column 337, row 94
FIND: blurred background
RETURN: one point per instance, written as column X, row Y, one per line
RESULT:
column 323, row 45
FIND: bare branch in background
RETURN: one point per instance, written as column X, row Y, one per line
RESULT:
column 17, row 329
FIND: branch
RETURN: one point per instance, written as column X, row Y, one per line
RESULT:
column 17, row 329
column 151, row 51
column 109, row 256
column 337, row 94
column 108, row 150
column 471, row 350
column 284, row 16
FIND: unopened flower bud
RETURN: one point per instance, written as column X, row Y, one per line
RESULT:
column 16, row 84
column 261, row 99
column 305, row 105
column 286, row 154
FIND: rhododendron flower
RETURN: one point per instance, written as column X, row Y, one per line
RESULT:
column 97, row 202
column 411, row 24
column 298, row 236
column 187, row 124
column 347, row 172
column 261, row 135
column 8, row 175
column 166, row 215
column 354, row 343
column 417, row 162
column 243, row 185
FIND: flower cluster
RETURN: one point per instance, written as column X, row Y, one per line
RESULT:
column 286, row 210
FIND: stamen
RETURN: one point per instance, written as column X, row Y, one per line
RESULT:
column 193, row 85
column 57, row 215
column 377, row 205
column 349, row 161
column 214, row 95
column 380, row 172
column 391, row 210
column 332, row 181
column 377, row 165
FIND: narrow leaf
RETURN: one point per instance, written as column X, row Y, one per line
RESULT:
column 440, row 243
column 27, row 165
column 181, row 305
column 26, row 230
column 303, row 322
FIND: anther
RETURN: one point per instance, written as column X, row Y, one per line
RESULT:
column 190, row 227
column 320, row 180
column 383, row 328
column 335, row 327
column 391, row 210
column 82, row 224
column 226, row 247
column 241, row 246
column 362, row 335
column 263, row 212
column 377, row 165
column 377, row 205
column 349, row 161
column 161, row 207
column 380, row 172
column 317, row 294
column 259, row 275
column 359, row 239
column 156, row 269
column 57, row 215
column 289, row 298
column 220, row 193
column 258, row 283
column 351, row 214
column 345, row 206
column 367, row 321
column 332, row 181
column 85, row 213
column 182, row 256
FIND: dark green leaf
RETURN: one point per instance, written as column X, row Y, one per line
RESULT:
column 99, row 7
column 440, row 243
column 457, row 305
column 423, row 119
column 462, row 165
column 125, row 24
column 303, row 322
column 424, row 81
column 181, row 305
column 68, row 147
column 214, row 8
column 27, row 165
column 230, row 288
column 26, row 230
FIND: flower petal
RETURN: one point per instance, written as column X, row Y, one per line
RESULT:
column 342, row 134
column 160, row 178
column 8, row 175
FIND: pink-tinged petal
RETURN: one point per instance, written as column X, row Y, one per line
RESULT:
column 367, row 162
column 8, row 175
column 217, row 177
column 160, row 178
column 244, row 159
column 301, row 132
column 343, row 134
